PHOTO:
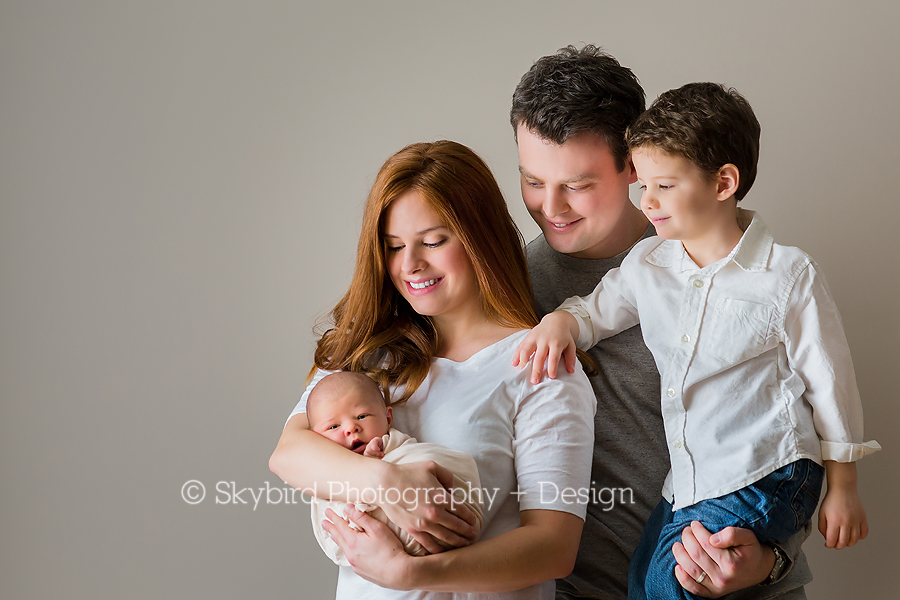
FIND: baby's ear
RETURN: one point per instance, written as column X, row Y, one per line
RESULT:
column 390, row 415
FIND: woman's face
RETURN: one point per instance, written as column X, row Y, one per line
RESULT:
column 427, row 262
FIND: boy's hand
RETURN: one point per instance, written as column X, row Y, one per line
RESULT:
column 375, row 448
column 842, row 519
column 550, row 341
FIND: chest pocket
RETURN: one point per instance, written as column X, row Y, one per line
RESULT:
column 740, row 329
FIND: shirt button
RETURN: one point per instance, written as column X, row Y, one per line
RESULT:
column 670, row 392
column 685, row 338
column 677, row 443
column 698, row 283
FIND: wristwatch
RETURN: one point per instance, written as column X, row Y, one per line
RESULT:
column 781, row 561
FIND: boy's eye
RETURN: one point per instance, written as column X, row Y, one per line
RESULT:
column 665, row 187
column 330, row 427
column 642, row 187
column 363, row 416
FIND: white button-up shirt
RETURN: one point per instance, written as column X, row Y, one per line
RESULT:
column 756, row 371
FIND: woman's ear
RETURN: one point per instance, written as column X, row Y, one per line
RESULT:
column 727, row 180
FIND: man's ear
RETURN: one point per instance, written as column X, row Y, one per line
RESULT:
column 727, row 180
column 629, row 164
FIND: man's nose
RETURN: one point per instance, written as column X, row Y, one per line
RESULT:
column 555, row 203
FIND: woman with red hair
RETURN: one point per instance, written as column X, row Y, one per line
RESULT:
column 440, row 297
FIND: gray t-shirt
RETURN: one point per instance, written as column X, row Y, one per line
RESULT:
column 630, row 456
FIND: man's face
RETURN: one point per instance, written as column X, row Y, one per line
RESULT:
column 576, row 194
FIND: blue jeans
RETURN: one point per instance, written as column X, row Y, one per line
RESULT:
column 774, row 508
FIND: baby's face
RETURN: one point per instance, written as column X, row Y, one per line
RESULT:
column 353, row 418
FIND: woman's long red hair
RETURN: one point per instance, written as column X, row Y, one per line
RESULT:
column 375, row 330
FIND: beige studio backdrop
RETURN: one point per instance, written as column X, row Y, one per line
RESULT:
column 181, row 186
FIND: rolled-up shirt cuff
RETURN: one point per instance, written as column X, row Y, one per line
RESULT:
column 585, row 339
column 845, row 453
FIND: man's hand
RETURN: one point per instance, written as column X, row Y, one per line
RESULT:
column 553, row 339
column 732, row 559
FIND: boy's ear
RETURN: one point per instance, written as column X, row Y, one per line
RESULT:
column 390, row 415
column 727, row 180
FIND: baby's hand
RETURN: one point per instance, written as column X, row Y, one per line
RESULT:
column 375, row 448
column 550, row 341
column 842, row 519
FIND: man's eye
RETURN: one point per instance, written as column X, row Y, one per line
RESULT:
column 533, row 184
column 576, row 189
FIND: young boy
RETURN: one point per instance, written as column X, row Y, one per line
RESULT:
column 349, row 409
column 727, row 314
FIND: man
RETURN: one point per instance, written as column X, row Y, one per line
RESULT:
column 570, row 112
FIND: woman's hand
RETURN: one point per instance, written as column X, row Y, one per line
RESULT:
column 375, row 553
column 425, row 507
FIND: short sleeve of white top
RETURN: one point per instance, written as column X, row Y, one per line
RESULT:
column 755, row 367
column 532, row 443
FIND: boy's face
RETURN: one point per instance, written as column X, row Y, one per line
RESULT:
column 575, row 193
column 352, row 418
column 679, row 199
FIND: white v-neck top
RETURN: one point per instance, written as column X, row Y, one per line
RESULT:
column 532, row 443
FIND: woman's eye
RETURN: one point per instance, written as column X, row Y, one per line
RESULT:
column 435, row 244
column 394, row 248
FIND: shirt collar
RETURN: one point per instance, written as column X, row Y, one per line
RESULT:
column 751, row 253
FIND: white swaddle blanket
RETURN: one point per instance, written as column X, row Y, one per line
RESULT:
column 400, row 448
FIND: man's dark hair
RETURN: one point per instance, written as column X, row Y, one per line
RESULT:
column 706, row 123
column 574, row 91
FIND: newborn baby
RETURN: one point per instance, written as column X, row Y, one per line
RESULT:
column 349, row 409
